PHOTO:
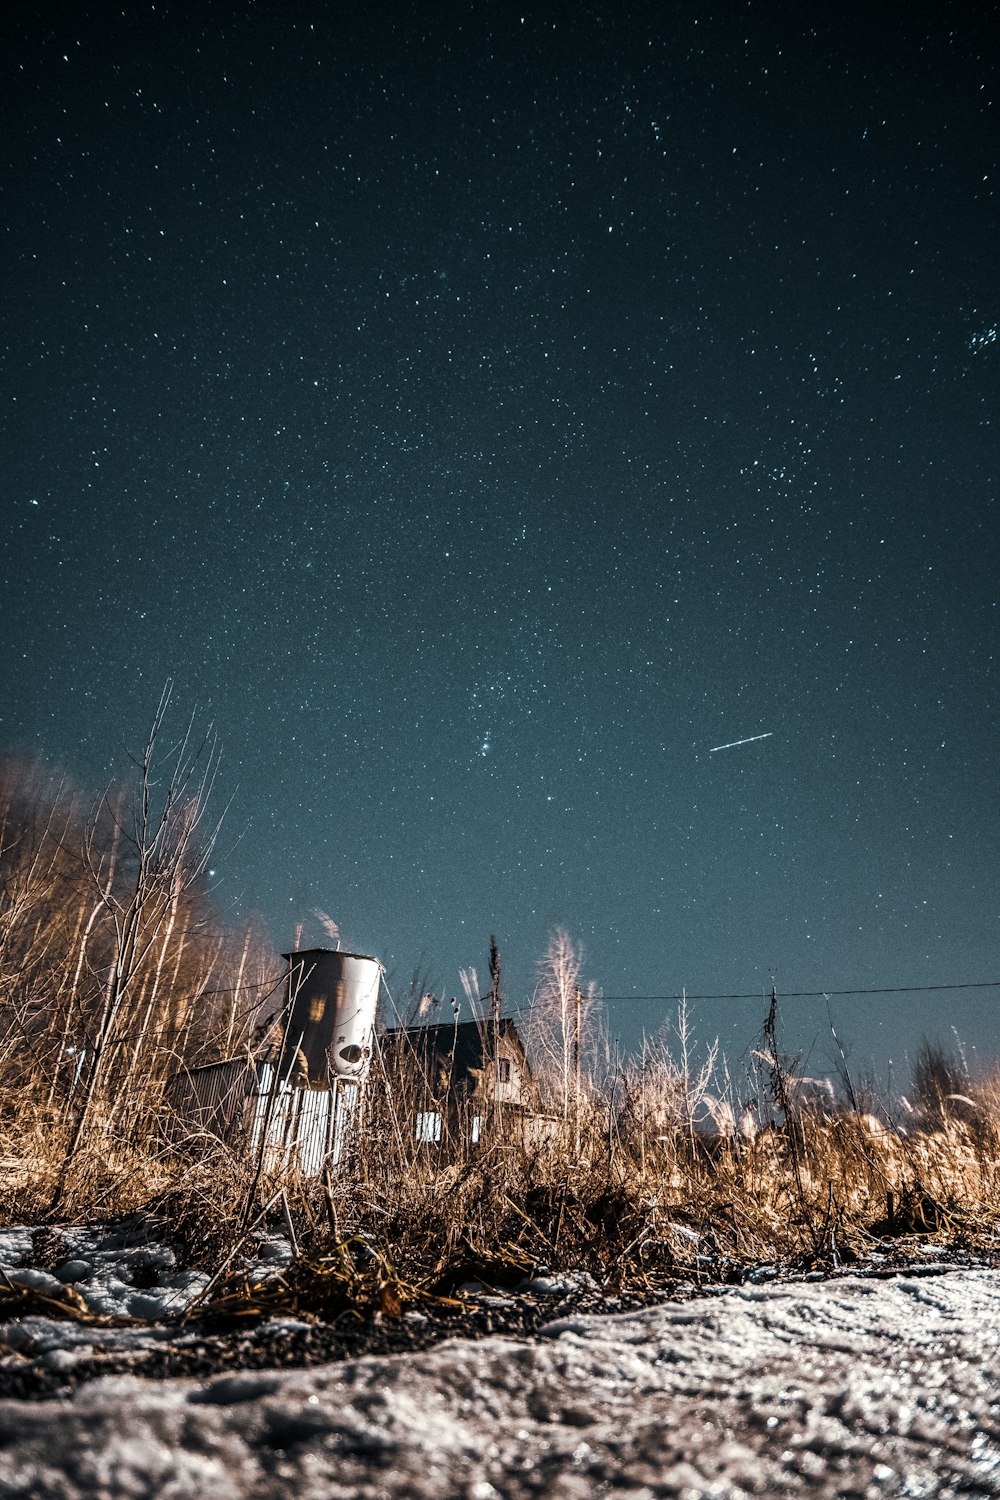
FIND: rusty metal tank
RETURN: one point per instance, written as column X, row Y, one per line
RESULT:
column 330, row 1014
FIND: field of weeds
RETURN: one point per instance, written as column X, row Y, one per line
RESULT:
column 115, row 976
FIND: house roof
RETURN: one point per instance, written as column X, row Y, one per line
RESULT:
column 461, row 1049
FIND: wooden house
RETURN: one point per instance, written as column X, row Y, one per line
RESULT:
column 454, row 1084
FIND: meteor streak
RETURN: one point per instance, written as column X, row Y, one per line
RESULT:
column 733, row 743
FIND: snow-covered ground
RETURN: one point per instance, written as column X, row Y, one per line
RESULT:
column 847, row 1388
column 119, row 1271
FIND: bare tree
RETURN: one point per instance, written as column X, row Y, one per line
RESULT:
column 670, row 1091
column 563, row 1013
column 166, row 843
column 41, row 916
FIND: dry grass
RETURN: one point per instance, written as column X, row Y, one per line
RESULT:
column 399, row 1220
column 627, row 1186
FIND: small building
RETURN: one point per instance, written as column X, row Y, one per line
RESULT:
column 292, row 1100
column 449, row 1078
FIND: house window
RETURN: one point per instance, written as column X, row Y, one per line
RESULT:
column 428, row 1126
column 504, row 1074
column 317, row 1005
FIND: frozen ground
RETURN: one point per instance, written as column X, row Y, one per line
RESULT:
column 846, row 1388
column 119, row 1271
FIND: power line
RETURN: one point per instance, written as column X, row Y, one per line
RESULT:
column 898, row 989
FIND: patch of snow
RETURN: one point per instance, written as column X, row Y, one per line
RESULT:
column 70, row 1271
column 41, row 1281
column 762, row 1273
column 561, row 1286
column 271, row 1256
column 15, row 1246
column 59, row 1345
column 685, row 1232
column 871, row 1388
column 115, row 1275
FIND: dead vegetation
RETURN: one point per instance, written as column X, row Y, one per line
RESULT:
column 114, row 972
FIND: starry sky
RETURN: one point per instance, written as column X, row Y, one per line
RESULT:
column 482, row 412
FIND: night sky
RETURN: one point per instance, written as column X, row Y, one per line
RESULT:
column 483, row 412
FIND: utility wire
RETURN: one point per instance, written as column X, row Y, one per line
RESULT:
column 898, row 989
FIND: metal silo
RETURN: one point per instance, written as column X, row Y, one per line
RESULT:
column 330, row 1014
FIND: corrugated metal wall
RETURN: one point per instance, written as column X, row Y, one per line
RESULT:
column 243, row 1103
column 305, row 1129
column 216, row 1099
